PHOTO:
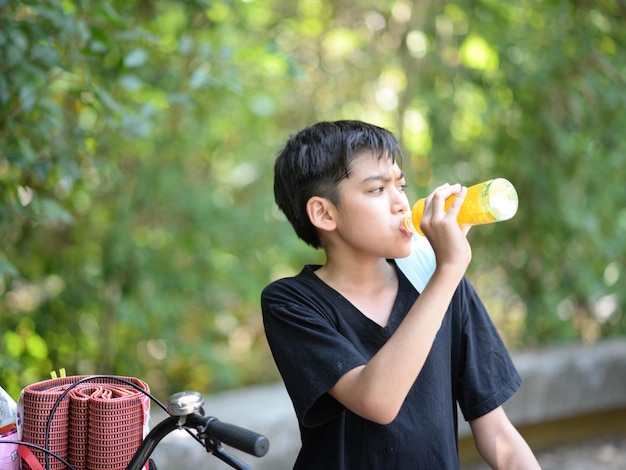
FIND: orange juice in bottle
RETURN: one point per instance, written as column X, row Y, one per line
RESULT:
column 491, row 201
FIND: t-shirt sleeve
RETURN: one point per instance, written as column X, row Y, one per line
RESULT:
column 309, row 352
column 488, row 377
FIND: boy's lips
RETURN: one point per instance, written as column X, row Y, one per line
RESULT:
column 404, row 230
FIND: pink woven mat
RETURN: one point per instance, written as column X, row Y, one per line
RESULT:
column 98, row 425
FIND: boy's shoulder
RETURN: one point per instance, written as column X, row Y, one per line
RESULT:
column 305, row 279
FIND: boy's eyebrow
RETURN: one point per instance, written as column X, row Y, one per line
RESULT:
column 382, row 177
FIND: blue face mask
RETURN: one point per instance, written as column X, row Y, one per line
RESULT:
column 420, row 265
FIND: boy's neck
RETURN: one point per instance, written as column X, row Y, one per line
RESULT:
column 371, row 288
column 351, row 275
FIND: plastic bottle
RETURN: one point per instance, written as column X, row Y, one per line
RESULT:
column 491, row 201
column 9, row 458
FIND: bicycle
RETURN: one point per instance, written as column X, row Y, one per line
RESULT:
column 187, row 413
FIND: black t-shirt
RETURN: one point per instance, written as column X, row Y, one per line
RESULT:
column 316, row 336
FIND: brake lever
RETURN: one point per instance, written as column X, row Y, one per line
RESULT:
column 216, row 448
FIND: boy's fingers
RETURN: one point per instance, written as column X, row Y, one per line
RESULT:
column 435, row 202
column 458, row 200
column 435, row 209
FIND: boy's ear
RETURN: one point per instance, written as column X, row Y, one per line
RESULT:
column 322, row 213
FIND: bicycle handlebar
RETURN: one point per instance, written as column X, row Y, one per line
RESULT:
column 211, row 432
column 240, row 438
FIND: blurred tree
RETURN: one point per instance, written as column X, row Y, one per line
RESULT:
column 533, row 94
column 136, row 211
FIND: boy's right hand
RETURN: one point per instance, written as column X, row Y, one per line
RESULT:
column 449, row 241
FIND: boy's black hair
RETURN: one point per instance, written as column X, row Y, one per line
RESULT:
column 316, row 159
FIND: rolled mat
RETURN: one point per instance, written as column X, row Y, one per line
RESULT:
column 97, row 425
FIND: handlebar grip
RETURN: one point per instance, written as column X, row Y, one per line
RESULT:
column 240, row 438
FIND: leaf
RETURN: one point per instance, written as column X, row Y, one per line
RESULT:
column 27, row 153
column 51, row 212
column 7, row 269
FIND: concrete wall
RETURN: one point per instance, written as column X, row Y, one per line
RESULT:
column 559, row 382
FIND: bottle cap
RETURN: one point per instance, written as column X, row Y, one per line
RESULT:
column 408, row 223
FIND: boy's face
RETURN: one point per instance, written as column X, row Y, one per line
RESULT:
column 372, row 208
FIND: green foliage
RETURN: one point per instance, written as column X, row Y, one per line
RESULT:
column 552, row 124
column 137, row 221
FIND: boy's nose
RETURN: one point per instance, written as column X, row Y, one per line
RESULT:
column 401, row 202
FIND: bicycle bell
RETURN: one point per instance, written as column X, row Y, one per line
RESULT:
column 185, row 403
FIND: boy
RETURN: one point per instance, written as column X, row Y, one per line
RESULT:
column 373, row 367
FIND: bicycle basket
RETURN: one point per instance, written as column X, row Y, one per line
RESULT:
column 93, row 422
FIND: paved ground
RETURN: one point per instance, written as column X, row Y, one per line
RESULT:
column 608, row 453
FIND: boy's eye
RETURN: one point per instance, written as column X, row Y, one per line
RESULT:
column 401, row 187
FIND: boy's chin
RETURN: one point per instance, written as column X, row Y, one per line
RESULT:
column 403, row 253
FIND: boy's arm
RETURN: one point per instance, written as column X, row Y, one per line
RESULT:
column 377, row 390
column 500, row 444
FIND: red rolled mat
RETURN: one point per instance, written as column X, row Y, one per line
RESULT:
column 98, row 425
